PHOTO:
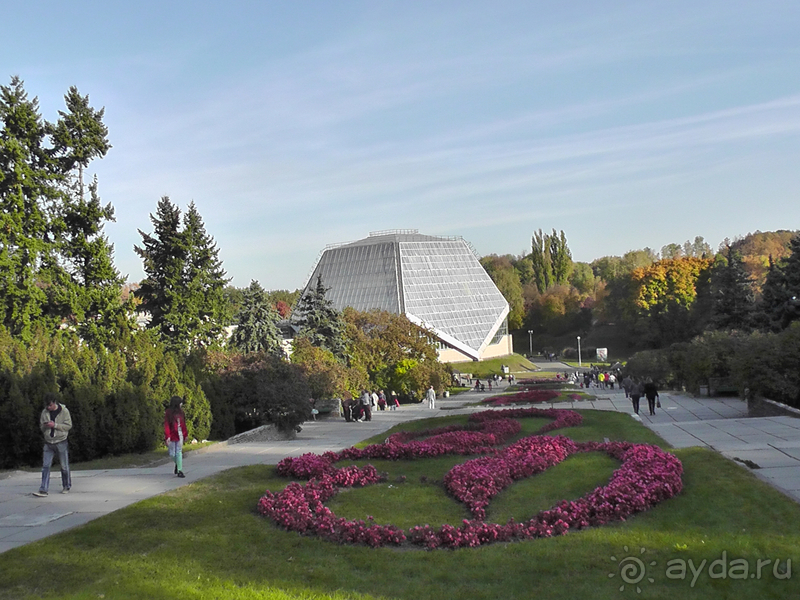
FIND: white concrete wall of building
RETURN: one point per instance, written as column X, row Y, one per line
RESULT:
column 502, row 348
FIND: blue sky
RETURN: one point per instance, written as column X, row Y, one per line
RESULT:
column 293, row 125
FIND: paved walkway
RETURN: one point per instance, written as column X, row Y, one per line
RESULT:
column 772, row 443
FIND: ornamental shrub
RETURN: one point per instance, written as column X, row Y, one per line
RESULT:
column 247, row 391
column 116, row 396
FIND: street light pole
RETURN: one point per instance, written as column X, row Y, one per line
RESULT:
column 579, row 351
column 530, row 342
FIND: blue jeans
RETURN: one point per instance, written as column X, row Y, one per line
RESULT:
column 50, row 451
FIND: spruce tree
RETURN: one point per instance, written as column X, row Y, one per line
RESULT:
column 56, row 265
column 183, row 287
column 204, row 281
column 780, row 296
column 92, row 284
column 732, row 294
column 319, row 321
column 163, row 256
column 256, row 329
column 27, row 191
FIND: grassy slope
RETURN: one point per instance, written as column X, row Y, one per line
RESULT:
column 205, row 540
column 482, row 369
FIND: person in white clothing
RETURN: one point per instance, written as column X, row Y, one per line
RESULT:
column 431, row 396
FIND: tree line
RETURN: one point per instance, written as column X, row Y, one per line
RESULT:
column 742, row 296
column 67, row 319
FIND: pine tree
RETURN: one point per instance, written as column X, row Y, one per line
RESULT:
column 319, row 321
column 256, row 329
column 184, row 283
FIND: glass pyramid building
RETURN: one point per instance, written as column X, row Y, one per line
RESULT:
column 437, row 282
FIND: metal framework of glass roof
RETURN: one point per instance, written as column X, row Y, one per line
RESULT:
column 437, row 282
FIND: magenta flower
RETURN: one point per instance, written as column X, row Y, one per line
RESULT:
column 647, row 475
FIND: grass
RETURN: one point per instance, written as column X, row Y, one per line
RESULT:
column 205, row 541
column 491, row 366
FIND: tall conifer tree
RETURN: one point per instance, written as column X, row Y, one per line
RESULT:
column 256, row 329
column 732, row 294
column 183, row 287
column 319, row 321
column 780, row 299
column 26, row 193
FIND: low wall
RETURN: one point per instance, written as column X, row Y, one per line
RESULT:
column 265, row 433
column 762, row 407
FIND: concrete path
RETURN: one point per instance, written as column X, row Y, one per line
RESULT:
column 683, row 421
column 25, row 518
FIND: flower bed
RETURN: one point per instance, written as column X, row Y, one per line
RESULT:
column 647, row 475
column 541, row 380
column 526, row 397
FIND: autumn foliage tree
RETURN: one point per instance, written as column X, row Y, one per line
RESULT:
column 395, row 353
column 655, row 302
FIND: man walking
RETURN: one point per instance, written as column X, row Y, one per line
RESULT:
column 55, row 423
column 366, row 405
column 431, row 396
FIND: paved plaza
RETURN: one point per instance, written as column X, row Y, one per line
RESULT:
column 771, row 443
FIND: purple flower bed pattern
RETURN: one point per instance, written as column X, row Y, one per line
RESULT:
column 647, row 475
column 526, row 397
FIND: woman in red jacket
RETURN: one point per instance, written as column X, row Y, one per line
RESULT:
column 175, row 432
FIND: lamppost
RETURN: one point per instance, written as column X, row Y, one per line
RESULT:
column 579, row 351
column 530, row 342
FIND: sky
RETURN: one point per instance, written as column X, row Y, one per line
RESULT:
column 294, row 125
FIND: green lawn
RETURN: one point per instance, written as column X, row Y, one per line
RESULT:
column 206, row 541
column 484, row 368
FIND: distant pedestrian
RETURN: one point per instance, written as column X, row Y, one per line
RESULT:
column 636, row 389
column 55, row 423
column 431, row 396
column 366, row 405
column 626, row 385
column 651, row 393
column 394, row 401
column 381, row 400
column 175, row 432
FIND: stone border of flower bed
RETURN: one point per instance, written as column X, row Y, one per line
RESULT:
column 647, row 476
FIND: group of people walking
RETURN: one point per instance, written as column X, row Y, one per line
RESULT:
column 635, row 389
column 595, row 377
column 360, row 409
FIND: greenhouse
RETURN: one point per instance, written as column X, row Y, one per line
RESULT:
column 437, row 282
